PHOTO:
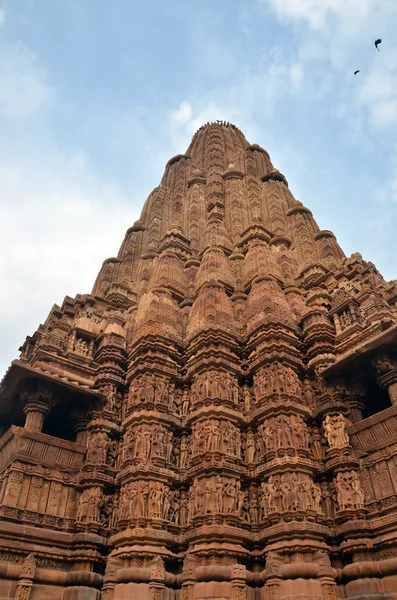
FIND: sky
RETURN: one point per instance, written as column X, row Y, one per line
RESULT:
column 96, row 96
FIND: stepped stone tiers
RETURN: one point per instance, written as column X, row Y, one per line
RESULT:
column 218, row 419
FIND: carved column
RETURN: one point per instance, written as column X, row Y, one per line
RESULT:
column 328, row 586
column 37, row 405
column 25, row 582
column 188, row 579
column 80, row 427
column 238, row 580
column 386, row 368
column 156, row 583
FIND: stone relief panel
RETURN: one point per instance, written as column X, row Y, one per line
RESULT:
column 27, row 496
column 216, row 435
column 284, row 434
column 147, row 442
column 290, row 492
column 349, row 491
column 335, row 431
column 276, row 380
column 144, row 499
column 215, row 495
column 215, row 385
column 149, row 390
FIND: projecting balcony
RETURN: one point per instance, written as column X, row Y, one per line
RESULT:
column 375, row 432
column 33, row 447
column 39, row 478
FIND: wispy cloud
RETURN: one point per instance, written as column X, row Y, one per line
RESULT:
column 24, row 90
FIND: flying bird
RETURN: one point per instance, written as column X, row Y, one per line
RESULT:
column 377, row 42
column 355, row 72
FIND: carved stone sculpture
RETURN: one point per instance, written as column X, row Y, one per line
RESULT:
column 218, row 417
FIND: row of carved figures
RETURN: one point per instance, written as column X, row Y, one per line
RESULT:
column 276, row 434
column 217, row 495
column 275, row 379
column 216, row 436
column 148, row 442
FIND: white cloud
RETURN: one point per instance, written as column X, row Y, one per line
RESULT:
column 59, row 222
column 183, row 114
column 24, row 90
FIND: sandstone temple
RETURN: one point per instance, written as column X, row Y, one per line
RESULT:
column 218, row 418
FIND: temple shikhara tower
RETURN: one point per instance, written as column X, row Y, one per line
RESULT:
column 218, row 418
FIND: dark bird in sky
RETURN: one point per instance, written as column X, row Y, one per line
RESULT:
column 355, row 72
column 377, row 42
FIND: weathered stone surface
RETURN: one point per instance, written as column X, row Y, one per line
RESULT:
column 217, row 419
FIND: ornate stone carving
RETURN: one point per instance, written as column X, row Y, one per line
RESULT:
column 204, row 406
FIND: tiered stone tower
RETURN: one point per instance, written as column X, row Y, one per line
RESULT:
column 218, row 419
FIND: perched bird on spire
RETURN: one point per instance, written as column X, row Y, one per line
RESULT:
column 377, row 42
column 355, row 72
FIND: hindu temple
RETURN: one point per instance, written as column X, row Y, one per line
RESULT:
column 217, row 419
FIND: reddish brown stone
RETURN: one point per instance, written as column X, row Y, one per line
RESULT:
column 218, row 419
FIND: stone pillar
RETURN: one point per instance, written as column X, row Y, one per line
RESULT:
column 35, row 412
column 156, row 582
column 328, row 586
column 25, row 582
column 337, row 324
column 80, row 428
column 238, row 580
column 386, row 368
column 38, row 403
column 188, row 579
column 272, row 588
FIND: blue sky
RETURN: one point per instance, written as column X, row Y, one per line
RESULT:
column 95, row 97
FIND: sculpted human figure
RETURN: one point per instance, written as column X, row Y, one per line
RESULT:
column 344, row 491
column 142, row 389
column 94, row 502
column 317, row 446
column 247, row 399
column 174, row 511
column 270, row 437
column 218, row 494
column 300, row 433
column 327, row 499
column 283, row 432
column 235, row 391
column 165, row 503
column 282, row 378
column 208, row 504
column 358, row 494
column 295, row 491
column 155, row 500
column 172, row 395
column 335, row 431
column 308, row 396
column 285, row 489
column 92, row 450
column 184, row 452
column 183, row 509
column 146, row 444
column 115, row 512
column 252, row 508
column 330, row 432
column 124, row 504
column 216, row 435
column 82, row 511
column 251, row 449
column 185, row 402
column 231, row 496
column 341, row 434
column 316, row 493
column 139, row 444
